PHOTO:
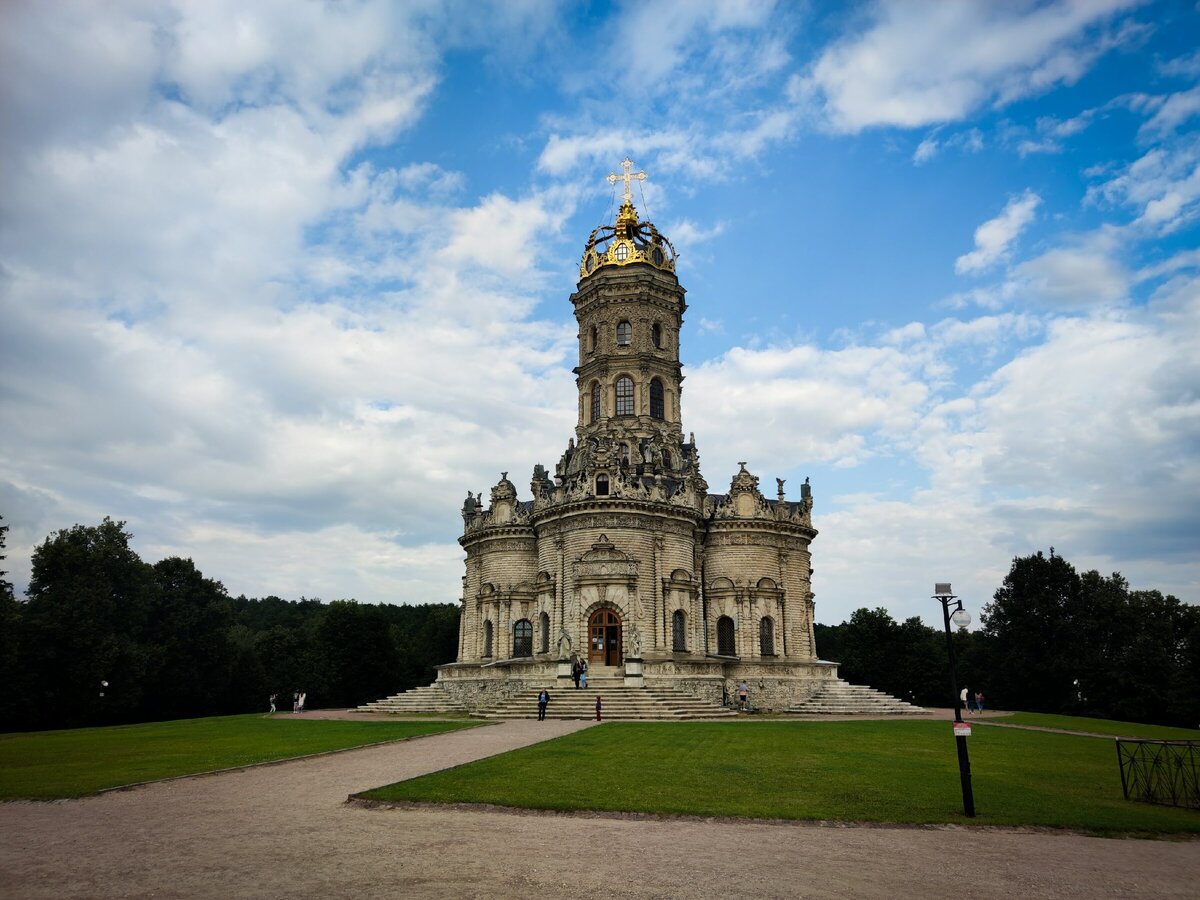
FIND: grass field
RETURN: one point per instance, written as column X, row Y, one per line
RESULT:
column 48, row 765
column 1101, row 726
column 889, row 771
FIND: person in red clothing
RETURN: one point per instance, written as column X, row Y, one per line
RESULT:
column 598, row 703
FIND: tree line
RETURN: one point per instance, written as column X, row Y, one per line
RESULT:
column 104, row 637
column 1051, row 640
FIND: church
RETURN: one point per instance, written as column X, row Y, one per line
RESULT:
column 621, row 556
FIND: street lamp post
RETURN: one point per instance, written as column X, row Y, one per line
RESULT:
column 962, row 618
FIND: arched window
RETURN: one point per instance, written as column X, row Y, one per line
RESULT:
column 678, row 631
column 601, row 485
column 522, row 638
column 544, row 628
column 766, row 637
column 666, row 459
column 593, row 338
column 623, row 453
column 656, row 399
column 624, row 334
column 595, row 402
column 624, row 396
column 487, row 638
column 725, row 645
column 656, row 335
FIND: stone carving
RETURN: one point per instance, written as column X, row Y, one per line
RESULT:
column 635, row 642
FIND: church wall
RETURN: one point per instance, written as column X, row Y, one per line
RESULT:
column 744, row 557
column 659, row 543
column 507, row 563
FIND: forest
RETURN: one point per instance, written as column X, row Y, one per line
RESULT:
column 171, row 643
column 1051, row 640
column 104, row 637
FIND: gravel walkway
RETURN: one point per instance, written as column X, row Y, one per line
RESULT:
column 286, row 831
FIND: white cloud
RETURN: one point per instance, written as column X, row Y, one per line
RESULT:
column 926, row 150
column 994, row 237
column 1074, row 277
column 852, row 401
column 1174, row 111
column 930, row 62
column 209, row 321
column 1162, row 186
column 1083, row 441
column 1187, row 66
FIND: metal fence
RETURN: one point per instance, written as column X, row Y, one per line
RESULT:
column 1162, row 772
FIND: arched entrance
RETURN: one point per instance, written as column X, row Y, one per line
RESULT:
column 604, row 638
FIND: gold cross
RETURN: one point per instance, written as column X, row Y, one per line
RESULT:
column 627, row 177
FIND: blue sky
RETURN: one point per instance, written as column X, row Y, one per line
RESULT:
column 281, row 282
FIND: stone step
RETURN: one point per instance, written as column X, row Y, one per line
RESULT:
column 839, row 698
column 426, row 699
column 618, row 703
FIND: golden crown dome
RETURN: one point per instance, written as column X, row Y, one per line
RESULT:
column 628, row 241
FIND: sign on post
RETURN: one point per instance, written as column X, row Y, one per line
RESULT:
column 962, row 729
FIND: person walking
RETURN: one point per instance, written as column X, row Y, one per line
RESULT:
column 963, row 695
column 272, row 702
column 303, row 698
column 583, row 677
column 576, row 673
column 743, row 695
column 599, row 703
column 979, row 702
column 295, row 701
column 543, row 699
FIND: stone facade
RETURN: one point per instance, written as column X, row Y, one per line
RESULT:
column 623, row 554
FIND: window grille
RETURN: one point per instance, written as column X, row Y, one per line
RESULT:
column 523, row 638
column 656, row 399
column 725, row 645
column 766, row 637
column 678, row 631
column 624, row 396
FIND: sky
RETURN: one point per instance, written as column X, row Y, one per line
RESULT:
column 280, row 282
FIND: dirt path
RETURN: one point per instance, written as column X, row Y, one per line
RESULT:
column 286, row 831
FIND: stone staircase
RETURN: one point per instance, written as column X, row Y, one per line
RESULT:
column 427, row 699
column 838, row 698
column 620, row 702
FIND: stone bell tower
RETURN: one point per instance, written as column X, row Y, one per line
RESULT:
column 629, row 305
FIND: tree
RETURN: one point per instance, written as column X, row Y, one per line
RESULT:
column 90, row 598
column 358, row 656
column 907, row 660
column 1032, row 662
column 188, row 632
column 11, row 700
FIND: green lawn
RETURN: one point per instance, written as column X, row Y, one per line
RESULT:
column 891, row 771
column 47, row 765
column 1101, row 726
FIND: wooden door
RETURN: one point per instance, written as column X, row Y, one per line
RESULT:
column 604, row 638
